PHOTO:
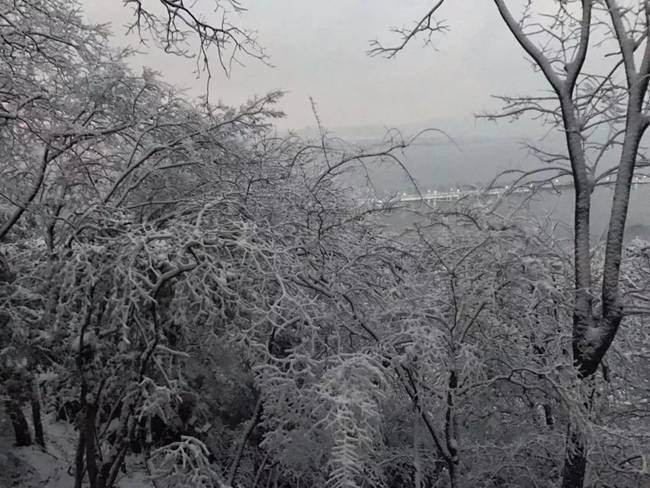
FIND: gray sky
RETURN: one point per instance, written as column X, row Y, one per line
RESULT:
column 319, row 49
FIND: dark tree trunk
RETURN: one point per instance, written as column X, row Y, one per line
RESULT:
column 575, row 460
column 19, row 423
column 80, row 468
column 82, row 448
column 89, row 416
column 240, row 451
column 451, row 430
column 36, row 414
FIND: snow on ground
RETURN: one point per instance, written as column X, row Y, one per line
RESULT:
column 31, row 467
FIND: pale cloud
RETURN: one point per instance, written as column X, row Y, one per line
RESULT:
column 318, row 49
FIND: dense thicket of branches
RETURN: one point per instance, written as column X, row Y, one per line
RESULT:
column 595, row 57
column 188, row 289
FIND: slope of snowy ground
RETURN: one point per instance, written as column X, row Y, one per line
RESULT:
column 32, row 467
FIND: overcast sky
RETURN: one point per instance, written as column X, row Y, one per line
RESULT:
column 319, row 49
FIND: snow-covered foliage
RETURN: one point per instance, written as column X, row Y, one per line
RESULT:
column 184, row 286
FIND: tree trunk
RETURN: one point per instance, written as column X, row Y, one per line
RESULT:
column 19, row 423
column 80, row 468
column 592, row 336
column 451, row 430
column 242, row 445
column 36, row 414
column 89, row 417
column 575, row 459
column 575, row 462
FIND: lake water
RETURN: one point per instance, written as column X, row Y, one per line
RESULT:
column 441, row 165
column 556, row 210
column 559, row 208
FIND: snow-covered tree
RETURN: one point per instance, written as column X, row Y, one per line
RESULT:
column 601, row 110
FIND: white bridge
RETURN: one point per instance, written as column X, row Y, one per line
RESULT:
column 458, row 193
column 453, row 195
